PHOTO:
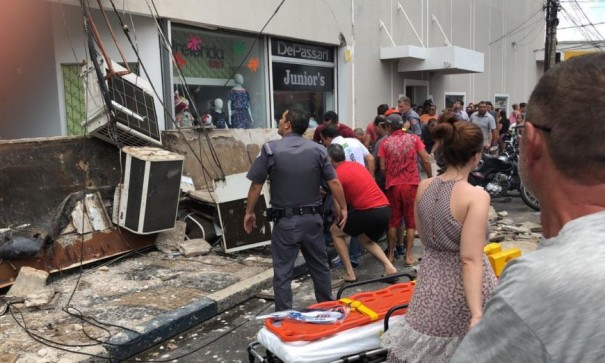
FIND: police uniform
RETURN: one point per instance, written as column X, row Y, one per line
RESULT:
column 295, row 168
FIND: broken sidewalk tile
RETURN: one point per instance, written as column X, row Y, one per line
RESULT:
column 533, row 227
column 8, row 358
column 168, row 241
column 493, row 215
column 516, row 229
column 506, row 221
column 28, row 282
column 496, row 237
column 257, row 261
column 40, row 297
column 194, row 247
column 266, row 294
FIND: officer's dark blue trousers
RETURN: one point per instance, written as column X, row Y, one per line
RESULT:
column 291, row 234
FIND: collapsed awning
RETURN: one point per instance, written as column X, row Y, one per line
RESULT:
column 444, row 60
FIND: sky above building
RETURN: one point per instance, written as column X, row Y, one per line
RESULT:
column 582, row 20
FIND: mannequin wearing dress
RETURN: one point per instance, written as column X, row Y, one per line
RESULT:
column 219, row 119
column 238, row 105
column 183, row 117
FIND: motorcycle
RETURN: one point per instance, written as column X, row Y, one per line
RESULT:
column 498, row 174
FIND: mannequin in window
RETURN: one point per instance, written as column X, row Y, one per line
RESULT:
column 183, row 117
column 219, row 119
column 238, row 105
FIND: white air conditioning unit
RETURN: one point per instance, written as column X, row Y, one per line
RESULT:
column 148, row 200
column 136, row 122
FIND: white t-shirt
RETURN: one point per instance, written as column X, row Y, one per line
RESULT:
column 354, row 149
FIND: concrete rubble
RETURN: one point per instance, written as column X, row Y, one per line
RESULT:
column 40, row 297
column 505, row 231
column 168, row 241
column 146, row 298
column 29, row 281
column 194, row 247
column 151, row 296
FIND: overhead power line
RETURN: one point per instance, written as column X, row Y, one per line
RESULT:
column 519, row 28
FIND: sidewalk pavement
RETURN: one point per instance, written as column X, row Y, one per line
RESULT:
column 140, row 301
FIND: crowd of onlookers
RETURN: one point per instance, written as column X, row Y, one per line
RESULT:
column 545, row 307
column 428, row 118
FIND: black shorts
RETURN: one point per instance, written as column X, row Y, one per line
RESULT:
column 371, row 222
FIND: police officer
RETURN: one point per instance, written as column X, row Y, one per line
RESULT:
column 295, row 167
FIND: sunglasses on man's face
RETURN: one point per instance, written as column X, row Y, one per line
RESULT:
column 519, row 129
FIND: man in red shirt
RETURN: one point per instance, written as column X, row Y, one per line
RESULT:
column 371, row 135
column 398, row 162
column 331, row 118
column 369, row 216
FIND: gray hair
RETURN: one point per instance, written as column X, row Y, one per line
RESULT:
column 405, row 100
column 336, row 153
column 573, row 115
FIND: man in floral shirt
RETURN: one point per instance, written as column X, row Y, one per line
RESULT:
column 398, row 162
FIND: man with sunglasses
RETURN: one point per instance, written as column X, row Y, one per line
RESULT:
column 548, row 306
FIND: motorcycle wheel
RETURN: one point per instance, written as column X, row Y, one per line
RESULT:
column 529, row 199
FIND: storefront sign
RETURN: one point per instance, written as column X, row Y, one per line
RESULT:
column 297, row 77
column 290, row 49
column 202, row 55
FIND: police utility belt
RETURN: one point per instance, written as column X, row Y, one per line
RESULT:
column 275, row 214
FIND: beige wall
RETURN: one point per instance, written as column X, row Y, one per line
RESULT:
column 474, row 24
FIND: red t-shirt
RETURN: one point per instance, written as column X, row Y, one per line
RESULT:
column 370, row 130
column 400, row 153
column 361, row 191
column 343, row 130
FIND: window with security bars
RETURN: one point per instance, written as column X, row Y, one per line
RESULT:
column 73, row 90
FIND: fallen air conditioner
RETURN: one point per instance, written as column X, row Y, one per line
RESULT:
column 132, row 100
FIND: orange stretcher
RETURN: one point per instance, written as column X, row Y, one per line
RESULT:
column 356, row 339
column 365, row 308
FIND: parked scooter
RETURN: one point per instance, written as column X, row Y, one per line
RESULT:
column 498, row 174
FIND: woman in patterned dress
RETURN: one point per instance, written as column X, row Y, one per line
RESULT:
column 454, row 277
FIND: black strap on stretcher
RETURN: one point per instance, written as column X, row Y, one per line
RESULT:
column 368, row 356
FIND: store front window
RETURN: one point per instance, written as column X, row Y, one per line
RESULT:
column 221, row 75
column 303, row 77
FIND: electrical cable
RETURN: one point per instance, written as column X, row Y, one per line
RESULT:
column 61, row 346
column 185, row 88
column 227, row 332
column 168, row 46
column 127, row 33
column 528, row 32
column 517, row 28
column 596, row 31
column 79, row 315
column 576, row 21
column 580, row 26
column 581, row 30
column 90, row 320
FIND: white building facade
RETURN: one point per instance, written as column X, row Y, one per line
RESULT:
column 343, row 55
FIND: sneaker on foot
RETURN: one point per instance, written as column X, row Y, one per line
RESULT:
column 399, row 250
column 335, row 262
